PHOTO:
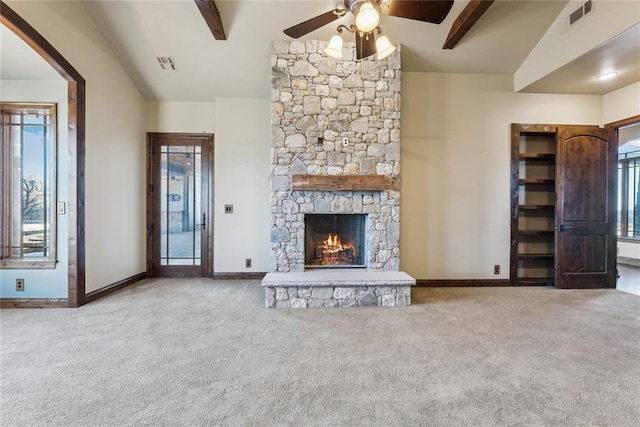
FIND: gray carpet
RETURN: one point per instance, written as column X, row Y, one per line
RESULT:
column 197, row 352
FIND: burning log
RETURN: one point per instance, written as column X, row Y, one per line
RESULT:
column 333, row 251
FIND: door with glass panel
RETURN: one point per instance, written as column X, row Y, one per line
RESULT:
column 179, row 204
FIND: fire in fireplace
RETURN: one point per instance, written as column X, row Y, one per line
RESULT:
column 335, row 240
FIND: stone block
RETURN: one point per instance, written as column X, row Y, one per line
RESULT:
column 360, row 125
column 366, row 298
column 347, row 303
column 354, row 80
column 403, row 291
column 306, row 123
column 328, row 103
column 283, row 304
column 328, row 66
column 322, row 205
column 280, row 46
column 385, row 290
column 304, row 292
column 336, row 158
column 339, row 125
column 376, row 150
column 280, row 234
column 282, row 294
column 344, row 293
column 392, row 154
column 311, row 105
column 370, row 70
column 331, row 303
column 315, row 303
column 296, row 140
column 280, row 78
column 388, row 300
column 322, row 293
column 280, row 183
column 303, row 68
column 270, row 297
column 298, row 303
column 298, row 167
column 403, row 301
column 346, row 97
column 392, row 265
column 368, row 166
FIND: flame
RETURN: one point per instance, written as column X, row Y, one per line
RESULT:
column 333, row 245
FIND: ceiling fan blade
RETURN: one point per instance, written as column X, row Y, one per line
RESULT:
column 433, row 11
column 312, row 24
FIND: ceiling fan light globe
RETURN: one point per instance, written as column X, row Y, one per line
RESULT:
column 335, row 47
column 367, row 18
column 384, row 47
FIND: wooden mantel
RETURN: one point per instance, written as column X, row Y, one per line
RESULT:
column 344, row 183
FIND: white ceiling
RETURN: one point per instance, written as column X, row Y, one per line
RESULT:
column 620, row 54
column 140, row 30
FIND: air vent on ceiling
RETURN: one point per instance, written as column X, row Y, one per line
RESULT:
column 581, row 12
column 167, row 63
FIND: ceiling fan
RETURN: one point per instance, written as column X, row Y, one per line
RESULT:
column 367, row 15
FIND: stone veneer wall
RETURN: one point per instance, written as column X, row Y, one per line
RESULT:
column 316, row 102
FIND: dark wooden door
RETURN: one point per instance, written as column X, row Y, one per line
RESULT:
column 585, row 207
column 179, row 205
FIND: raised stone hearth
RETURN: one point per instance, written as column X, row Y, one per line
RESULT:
column 338, row 288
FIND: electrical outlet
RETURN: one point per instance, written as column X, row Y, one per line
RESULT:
column 247, row 262
column 496, row 269
column 345, row 142
column 228, row 209
column 20, row 285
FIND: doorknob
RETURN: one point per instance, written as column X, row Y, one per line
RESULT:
column 204, row 221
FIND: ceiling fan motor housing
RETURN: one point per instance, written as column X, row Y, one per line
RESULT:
column 354, row 5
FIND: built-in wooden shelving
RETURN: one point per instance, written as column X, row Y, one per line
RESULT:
column 533, row 199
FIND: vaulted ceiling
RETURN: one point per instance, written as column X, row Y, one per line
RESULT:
column 208, row 67
column 140, row 31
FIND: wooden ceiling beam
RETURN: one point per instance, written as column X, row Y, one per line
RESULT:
column 467, row 19
column 210, row 13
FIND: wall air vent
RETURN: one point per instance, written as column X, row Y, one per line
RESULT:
column 167, row 63
column 581, row 12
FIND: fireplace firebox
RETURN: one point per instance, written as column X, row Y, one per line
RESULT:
column 335, row 240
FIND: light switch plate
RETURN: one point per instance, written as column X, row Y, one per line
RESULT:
column 61, row 208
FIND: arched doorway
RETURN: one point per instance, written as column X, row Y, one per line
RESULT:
column 76, row 152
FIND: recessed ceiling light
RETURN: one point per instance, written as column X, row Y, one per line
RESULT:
column 607, row 76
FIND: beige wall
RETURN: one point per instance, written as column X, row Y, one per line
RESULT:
column 241, row 129
column 181, row 117
column 115, row 142
column 456, row 168
column 621, row 104
column 242, row 150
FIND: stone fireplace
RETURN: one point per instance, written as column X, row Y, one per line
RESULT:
column 335, row 152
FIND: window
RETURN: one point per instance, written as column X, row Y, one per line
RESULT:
column 629, row 192
column 28, row 171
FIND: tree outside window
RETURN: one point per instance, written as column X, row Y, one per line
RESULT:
column 28, row 161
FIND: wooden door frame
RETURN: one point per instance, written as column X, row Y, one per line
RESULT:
column 76, row 152
column 150, row 192
column 616, row 126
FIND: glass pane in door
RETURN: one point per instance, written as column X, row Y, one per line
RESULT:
column 181, row 206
